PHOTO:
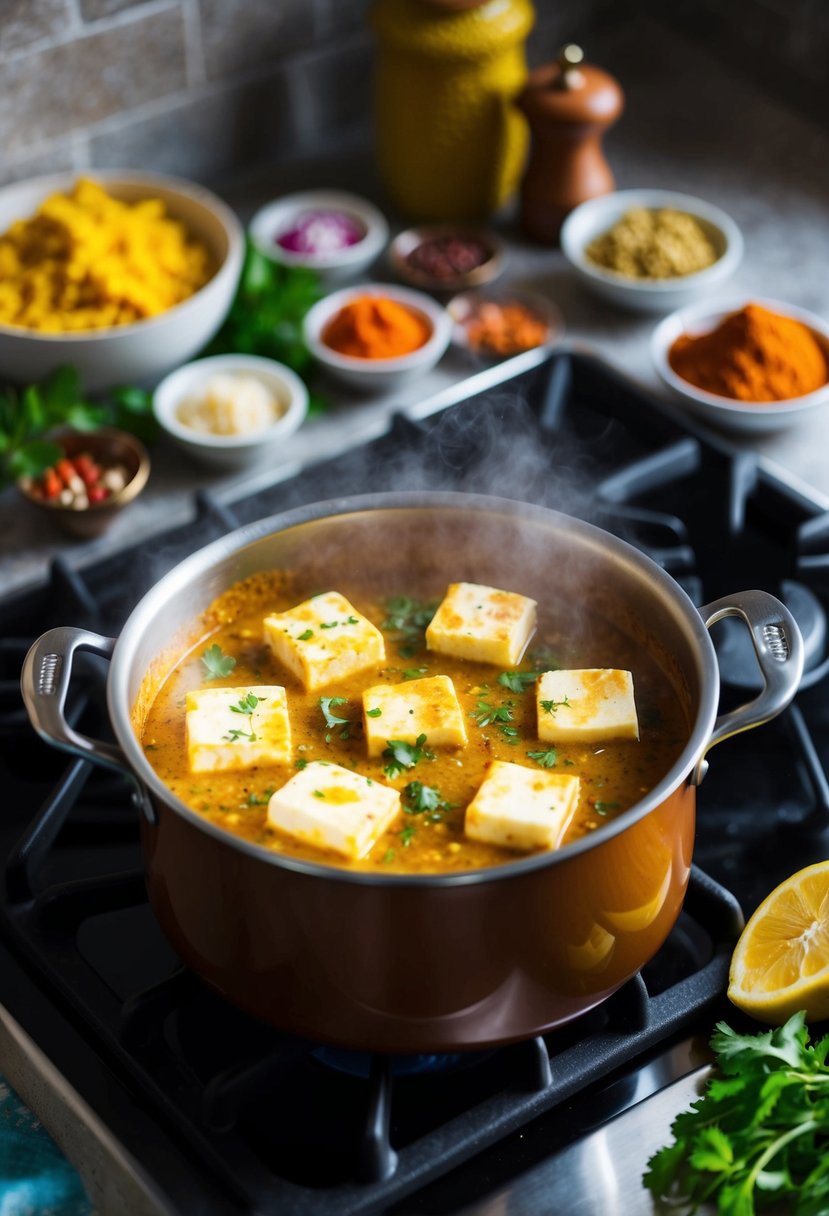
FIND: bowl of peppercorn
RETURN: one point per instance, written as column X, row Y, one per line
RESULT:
column 99, row 473
column 446, row 258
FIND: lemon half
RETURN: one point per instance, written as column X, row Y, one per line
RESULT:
column 781, row 962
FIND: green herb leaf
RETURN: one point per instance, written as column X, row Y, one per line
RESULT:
column 414, row 673
column 406, row 620
column 550, row 707
column 760, row 1132
column 217, row 665
column 246, row 704
column 407, row 835
column 421, row 799
column 33, row 458
column 373, row 713
column 306, row 635
column 235, row 734
column 518, row 681
column 401, row 756
column 256, row 800
column 604, row 808
column 332, row 720
column 301, row 763
column 545, row 759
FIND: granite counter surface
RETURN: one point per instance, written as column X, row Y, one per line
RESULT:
column 691, row 125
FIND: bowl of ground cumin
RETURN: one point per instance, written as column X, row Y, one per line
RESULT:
column 747, row 365
column 651, row 250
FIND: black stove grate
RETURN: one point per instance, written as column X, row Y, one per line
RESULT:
column 231, row 1116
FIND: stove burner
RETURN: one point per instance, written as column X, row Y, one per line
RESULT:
column 359, row 1063
column 229, row 1116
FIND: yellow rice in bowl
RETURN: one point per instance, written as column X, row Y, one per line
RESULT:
column 86, row 260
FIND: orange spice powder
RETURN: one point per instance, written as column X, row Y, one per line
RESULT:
column 376, row 327
column 753, row 355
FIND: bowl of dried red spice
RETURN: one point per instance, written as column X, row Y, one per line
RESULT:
column 445, row 258
column 494, row 323
column 99, row 474
column 752, row 365
column 377, row 335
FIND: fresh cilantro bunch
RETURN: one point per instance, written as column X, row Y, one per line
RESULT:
column 760, row 1133
column 28, row 415
column 267, row 312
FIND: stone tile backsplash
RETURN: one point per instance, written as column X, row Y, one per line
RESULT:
column 205, row 88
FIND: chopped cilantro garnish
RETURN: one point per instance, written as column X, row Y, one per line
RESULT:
column 401, row 756
column 602, row 808
column 306, row 636
column 373, row 713
column 484, row 713
column 246, row 704
column 319, row 794
column 388, row 856
column 518, row 681
column 407, row 834
column 332, row 720
column 545, row 759
column 216, row 663
column 425, row 799
column 550, row 707
column 414, row 673
column 301, row 763
column 255, row 800
column 407, row 619
column 234, row 735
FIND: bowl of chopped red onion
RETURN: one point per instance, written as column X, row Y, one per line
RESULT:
column 332, row 232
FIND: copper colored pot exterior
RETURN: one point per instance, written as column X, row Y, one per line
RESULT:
column 422, row 962
column 420, row 968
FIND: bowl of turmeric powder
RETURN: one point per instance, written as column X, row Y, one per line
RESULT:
column 752, row 366
column 377, row 335
column 123, row 275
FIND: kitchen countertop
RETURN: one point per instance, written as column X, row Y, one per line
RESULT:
column 690, row 124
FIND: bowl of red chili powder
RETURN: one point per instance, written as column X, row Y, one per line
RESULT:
column 751, row 365
column 376, row 335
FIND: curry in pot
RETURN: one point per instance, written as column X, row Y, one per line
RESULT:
column 365, row 728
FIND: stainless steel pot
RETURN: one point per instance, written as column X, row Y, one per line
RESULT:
column 420, row 962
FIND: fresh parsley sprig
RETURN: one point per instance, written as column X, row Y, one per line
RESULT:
column 759, row 1134
column 216, row 663
column 550, row 707
column 332, row 720
column 547, row 759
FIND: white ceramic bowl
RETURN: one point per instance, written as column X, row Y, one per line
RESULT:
column 335, row 266
column 378, row 375
column 598, row 215
column 747, row 416
column 145, row 350
column 232, row 451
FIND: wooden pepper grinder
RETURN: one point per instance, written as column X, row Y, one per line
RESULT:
column 569, row 105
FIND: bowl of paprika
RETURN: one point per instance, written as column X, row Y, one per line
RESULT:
column 745, row 365
column 374, row 336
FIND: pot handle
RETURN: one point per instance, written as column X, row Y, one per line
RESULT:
column 778, row 646
column 44, row 682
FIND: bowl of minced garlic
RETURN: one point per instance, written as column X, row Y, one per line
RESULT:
column 752, row 365
column 651, row 250
column 123, row 276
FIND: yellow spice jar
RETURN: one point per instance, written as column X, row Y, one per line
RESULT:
column 450, row 143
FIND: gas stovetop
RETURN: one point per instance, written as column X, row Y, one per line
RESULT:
column 167, row 1099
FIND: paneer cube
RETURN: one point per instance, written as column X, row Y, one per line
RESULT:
column 232, row 728
column 330, row 807
column 522, row 808
column 323, row 640
column 418, row 707
column 482, row 623
column 586, row 706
